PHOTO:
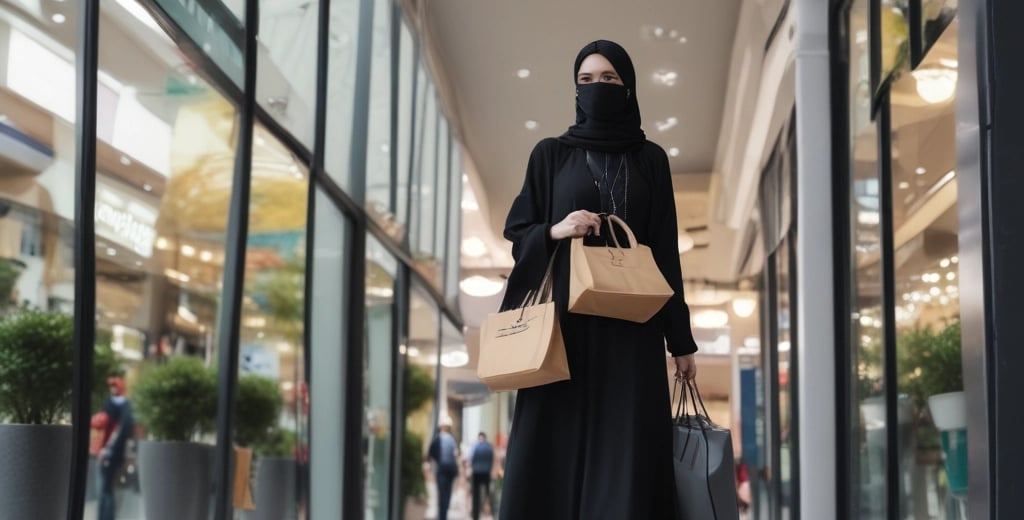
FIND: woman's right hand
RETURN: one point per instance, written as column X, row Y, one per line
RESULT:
column 577, row 224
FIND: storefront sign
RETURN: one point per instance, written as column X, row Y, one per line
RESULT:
column 212, row 26
column 125, row 220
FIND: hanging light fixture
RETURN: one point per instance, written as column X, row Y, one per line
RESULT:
column 743, row 307
column 935, row 84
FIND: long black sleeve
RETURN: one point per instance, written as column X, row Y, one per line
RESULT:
column 675, row 316
column 528, row 228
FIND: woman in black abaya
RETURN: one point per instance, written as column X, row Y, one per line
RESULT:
column 599, row 446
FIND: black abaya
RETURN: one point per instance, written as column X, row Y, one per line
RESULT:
column 599, row 446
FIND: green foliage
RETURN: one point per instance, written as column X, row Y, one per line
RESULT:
column 419, row 387
column 36, row 366
column 105, row 364
column 930, row 362
column 259, row 405
column 10, row 271
column 178, row 399
column 278, row 442
column 412, row 459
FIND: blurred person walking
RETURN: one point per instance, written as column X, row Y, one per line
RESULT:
column 117, row 426
column 444, row 451
column 598, row 446
column 481, row 460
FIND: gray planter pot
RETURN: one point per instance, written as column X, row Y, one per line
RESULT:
column 274, row 490
column 176, row 479
column 35, row 464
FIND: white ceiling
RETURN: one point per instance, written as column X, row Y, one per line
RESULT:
column 480, row 45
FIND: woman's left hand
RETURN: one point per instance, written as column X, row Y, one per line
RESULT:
column 686, row 367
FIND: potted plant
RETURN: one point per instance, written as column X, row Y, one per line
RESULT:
column 419, row 390
column 177, row 402
column 259, row 406
column 36, row 367
column 934, row 378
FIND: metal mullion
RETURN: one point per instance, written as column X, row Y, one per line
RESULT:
column 399, row 333
column 316, row 171
column 794, row 376
column 916, row 34
column 353, row 472
column 352, row 453
column 772, row 391
column 282, row 134
column 413, row 143
column 875, row 49
column 396, row 50
column 85, row 252
column 230, row 313
column 891, row 377
column 846, row 471
column 437, row 181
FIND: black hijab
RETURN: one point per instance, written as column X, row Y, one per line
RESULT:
column 607, row 115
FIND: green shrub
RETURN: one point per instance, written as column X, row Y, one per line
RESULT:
column 258, row 407
column 177, row 400
column 930, row 362
column 419, row 387
column 36, row 366
column 278, row 442
column 413, row 484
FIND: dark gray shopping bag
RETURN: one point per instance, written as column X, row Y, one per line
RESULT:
column 702, row 456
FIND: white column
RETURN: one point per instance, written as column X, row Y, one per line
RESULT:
column 814, row 281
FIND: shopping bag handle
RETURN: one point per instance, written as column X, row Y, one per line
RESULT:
column 614, row 219
column 542, row 294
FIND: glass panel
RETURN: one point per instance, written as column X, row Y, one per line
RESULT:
column 925, row 230
column 895, row 37
column 452, row 250
column 37, row 272
column 459, row 387
column 271, row 416
column 786, row 454
column 330, row 292
column 286, row 74
column 420, row 353
column 868, row 441
column 406, row 77
column 443, row 185
column 381, row 199
column 165, row 165
column 381, row 269
column 935, row 17
column 215, row 26
column 341, row 85
column 424, row 198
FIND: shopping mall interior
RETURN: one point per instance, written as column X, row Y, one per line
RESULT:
column 287, row 218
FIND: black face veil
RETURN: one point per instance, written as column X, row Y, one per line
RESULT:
column 607, row 115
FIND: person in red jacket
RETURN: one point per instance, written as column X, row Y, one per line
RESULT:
column 115, row 427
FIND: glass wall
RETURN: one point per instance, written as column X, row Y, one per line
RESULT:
column 38, row 56
column 903, row 185
column 867, row 319
column 420, row 353
column 925, row 234
column 170, row 107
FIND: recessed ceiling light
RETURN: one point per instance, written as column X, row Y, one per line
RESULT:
column 523, row 73
column 59, row 18
column 206, row 256
column 667, row 124
column 673, row 34
column 125, row 160
column 531, row 124
column 904, row 185
column 658, row 31
column 188, row 250
column 147, row 187
column 474, row 247
column 665, row 77
column 920, row 171
column 111, row 251
column 674, row 152
column 682, row 39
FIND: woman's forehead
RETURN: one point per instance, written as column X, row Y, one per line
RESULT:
column 596, row 63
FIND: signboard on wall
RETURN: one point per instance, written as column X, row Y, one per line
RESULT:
column 124, row 218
